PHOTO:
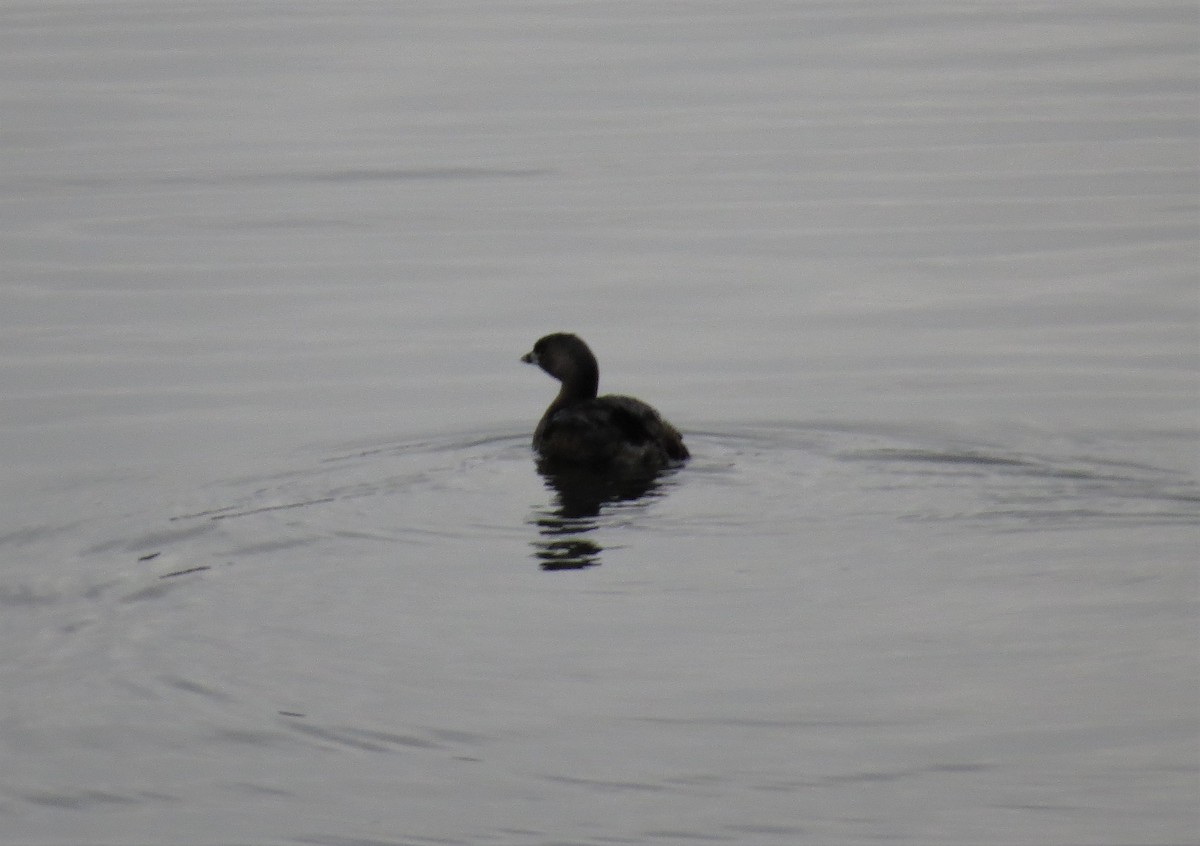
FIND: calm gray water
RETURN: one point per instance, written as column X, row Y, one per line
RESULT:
column 918, row 281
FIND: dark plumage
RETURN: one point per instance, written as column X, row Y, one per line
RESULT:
column 582, row 428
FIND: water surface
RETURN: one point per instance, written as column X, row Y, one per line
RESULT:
column 916, row 280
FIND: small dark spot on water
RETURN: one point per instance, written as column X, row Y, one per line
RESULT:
column 199, row 569
column 150, row 556
column 208, row 513
column 225, row 514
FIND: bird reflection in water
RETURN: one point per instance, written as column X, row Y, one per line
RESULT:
column 581, row 495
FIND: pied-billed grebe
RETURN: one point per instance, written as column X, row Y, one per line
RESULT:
column 582, row 428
